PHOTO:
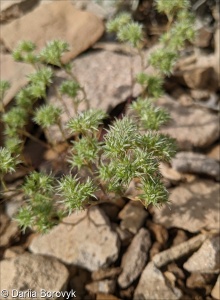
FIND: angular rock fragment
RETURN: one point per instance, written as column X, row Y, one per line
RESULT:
column 192, row 206
column 33, row 273
column 206, row 259
column 135, row 258
column 86, row 241
column 56, row 20
column 152, row 285
column 176, row 252
column 190, row 126
column 132, row 216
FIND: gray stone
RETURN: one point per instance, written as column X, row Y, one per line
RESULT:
column 193, row 206
column 152, row 285
column 133, row 216
column 206, row 259
column 190, row 162
column 86, row 241
column 30, row 274
column 106, row 286
column 190, row 126
column 135, row 258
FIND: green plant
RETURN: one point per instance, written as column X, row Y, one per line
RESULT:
column 99, row 165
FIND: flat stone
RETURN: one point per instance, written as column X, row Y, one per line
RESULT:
column 196, row 163
column 106, row 286
column 133, row 216
column 87, row 241
column 78, row 28
column 190, row 126
column 152, row 285
column 135, row 258
column 32, row 273
column 216, row 290
column 193, row 206
column 206, row 259
column 99, row 73
column 14, row 72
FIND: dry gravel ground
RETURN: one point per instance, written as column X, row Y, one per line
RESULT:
column 119, row 250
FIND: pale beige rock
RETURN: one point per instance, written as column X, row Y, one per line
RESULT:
column 14, row 72
column 34, row 272
column 206, row 259
column 132, row 216
column 169, row 173
column 192, row 206
column 106, row 286
column 152, row 285
column 178, row 251
column 135, row 258
column 191, row 126
column 56, row 20
column 215, row 152
column 216, row 290
column 100, row 73
column 87, row 241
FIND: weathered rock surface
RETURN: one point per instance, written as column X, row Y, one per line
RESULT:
column 87, row 242
column 152, row 285
column 132, row 216
column 178, row 251
column 191, row 126
column 206, row 259
column 190, row 162
column 15, row 73
column 193, row 206
column 56, row 20
column 100, row 74
column 216, row 290
column 34, row 272
column 135, row 258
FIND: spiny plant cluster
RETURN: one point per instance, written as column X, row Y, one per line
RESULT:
column 129, row 151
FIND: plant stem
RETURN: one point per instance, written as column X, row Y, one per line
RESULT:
column 30, row 136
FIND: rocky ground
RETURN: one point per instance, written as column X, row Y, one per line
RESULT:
column 119, row 250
